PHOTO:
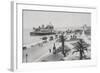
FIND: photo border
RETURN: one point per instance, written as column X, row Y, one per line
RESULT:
column 16, row 51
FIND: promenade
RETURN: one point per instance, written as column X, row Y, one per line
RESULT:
column 41, row 52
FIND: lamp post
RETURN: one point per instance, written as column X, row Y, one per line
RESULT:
column 24, row 49
column 26, row 58
column 26, row 55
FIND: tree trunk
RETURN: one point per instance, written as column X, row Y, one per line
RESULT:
column 81, row 55
column 62, row 39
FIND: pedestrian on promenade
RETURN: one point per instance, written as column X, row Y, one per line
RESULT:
column 50, row 50
column 54, row 49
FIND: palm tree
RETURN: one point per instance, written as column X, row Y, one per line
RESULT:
column 62, row 40
column 81, row 47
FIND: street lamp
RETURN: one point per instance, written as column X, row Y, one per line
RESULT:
column 24, row 49
column 26, row 57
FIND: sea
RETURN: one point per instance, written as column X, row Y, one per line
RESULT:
column 28, row 39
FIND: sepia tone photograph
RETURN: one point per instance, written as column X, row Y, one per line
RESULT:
column 51, row 36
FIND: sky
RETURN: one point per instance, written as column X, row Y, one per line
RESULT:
column 58, row 19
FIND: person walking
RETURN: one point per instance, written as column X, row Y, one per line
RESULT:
column 49, row 50
column 54, row 49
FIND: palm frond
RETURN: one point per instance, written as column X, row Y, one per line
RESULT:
column 76, row 48
column 75, row 52
column 85, row 49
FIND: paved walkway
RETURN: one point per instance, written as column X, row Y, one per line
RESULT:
column 41, row 52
